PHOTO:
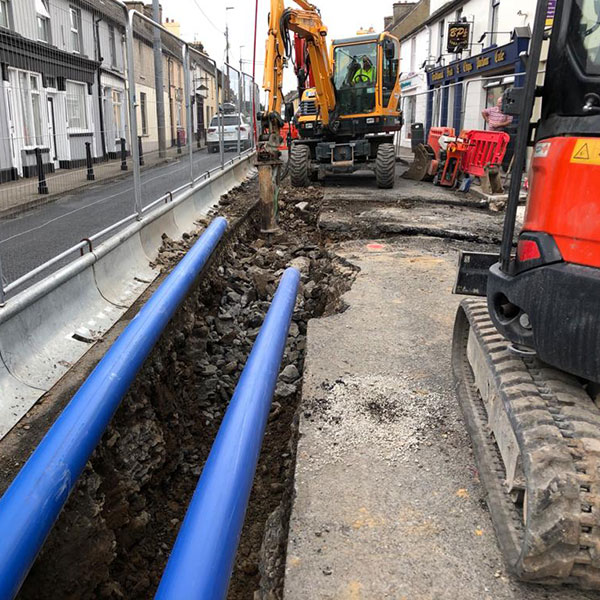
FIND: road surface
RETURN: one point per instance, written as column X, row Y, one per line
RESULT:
column 30, row 239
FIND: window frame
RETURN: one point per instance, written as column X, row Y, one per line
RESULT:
column 144, row 113
column 7, row 13
column 42, row 14
column 494, row 12
column 78, row 128
column 75, row 20
column 117, row 97
column 32, row 123
column 112, row 44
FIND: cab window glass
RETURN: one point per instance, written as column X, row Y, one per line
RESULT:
column 355, row 77
column 391, row 54
column 585, row 34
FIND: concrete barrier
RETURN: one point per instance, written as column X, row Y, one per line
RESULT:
column 135, row 272
column 48, row 327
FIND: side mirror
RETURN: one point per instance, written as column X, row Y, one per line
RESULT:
column 289, row 111
column 390, row 49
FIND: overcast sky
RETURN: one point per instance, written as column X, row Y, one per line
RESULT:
column 342, row 17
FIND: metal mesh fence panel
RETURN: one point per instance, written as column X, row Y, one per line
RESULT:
column 87, row 140
column 64, row 128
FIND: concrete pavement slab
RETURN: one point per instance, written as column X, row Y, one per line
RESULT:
column 388, row 503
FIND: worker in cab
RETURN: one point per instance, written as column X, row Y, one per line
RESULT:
column 366, row 72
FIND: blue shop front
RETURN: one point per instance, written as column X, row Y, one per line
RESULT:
column 459, row 91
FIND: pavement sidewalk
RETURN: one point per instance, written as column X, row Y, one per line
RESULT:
column 19, row 196
column 388, row 502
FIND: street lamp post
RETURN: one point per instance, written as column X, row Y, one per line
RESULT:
column 227, row 9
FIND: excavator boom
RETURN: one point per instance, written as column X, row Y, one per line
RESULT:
column 307, row 25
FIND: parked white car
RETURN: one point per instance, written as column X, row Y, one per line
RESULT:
column 231, row 124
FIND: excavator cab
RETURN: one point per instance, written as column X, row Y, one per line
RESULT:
column 360, row 132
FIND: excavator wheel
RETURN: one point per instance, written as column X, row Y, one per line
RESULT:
column 536, row 439
column 385, row 166
column 300, row 165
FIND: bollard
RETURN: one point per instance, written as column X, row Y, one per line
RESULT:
column 178, row 143
column 33, row 501
column 123, row 155
column 42, row 185
column 141, row 151
column 202, row 559
column 88, row 158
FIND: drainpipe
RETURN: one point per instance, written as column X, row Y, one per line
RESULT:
column 173, row 139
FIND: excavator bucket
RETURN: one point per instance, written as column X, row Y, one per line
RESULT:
column 421, row 168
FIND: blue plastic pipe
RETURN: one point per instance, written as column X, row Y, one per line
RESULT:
column 202, row 559
column 35, row 498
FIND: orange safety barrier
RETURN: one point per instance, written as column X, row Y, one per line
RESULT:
column 484, row 148
column 433, row 139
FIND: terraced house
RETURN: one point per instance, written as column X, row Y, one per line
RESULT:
column 63, row 83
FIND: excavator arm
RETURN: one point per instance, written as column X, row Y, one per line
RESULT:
column 306, row 23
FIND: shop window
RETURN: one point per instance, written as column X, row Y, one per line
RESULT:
column 4, row 13
column 144, row 113
column 76, row 44
column 391, row 52
column 43, row 21
column 494, row 89
column 411, row 112
column 76, row 105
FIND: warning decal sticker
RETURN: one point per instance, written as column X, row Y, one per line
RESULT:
column 586, row 152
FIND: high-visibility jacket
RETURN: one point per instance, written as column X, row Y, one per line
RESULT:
column 359, row 76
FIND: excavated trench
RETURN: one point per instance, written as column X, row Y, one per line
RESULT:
column 114, row 536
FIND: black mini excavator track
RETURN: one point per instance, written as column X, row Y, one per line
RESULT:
column 536, row 439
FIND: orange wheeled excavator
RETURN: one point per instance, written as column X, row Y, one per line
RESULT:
column 348, row 120
column 527, row 360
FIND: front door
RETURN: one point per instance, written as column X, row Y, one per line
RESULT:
column 52, row 131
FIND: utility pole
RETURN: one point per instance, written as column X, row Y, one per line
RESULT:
column 159, row 82
column 228, row 91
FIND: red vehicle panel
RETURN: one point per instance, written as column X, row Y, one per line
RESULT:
column 563, row 198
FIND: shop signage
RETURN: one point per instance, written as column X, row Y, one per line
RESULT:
column 492, row 59
column 550, row 13
column 459, row 35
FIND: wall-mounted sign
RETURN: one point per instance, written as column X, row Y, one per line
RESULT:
column 550, row 13
column 459, row 35
column 496, row 58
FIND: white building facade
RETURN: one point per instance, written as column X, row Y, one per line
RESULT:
column 443, row 89
column 59, row 61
